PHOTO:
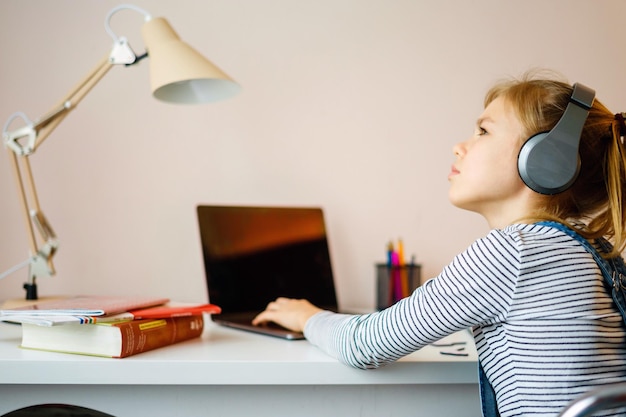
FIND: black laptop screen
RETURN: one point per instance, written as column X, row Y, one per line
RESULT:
column 252, row 255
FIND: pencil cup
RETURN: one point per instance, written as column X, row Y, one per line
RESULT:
column 395, row 282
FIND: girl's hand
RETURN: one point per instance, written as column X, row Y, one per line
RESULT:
column 287, row 312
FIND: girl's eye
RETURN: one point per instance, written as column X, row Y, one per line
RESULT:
column 480, row 131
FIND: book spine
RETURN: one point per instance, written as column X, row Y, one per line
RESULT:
column 144, row 335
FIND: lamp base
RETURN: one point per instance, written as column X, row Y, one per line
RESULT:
column 31, row 291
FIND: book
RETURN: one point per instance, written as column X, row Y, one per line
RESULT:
column 81, row 309
column 175, row 311
column 95, row 305
column 113, row 340
column 159, row 312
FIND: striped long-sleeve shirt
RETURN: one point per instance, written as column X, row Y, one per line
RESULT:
column 545, row 327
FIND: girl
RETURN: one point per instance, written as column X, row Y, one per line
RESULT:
column 545, row 327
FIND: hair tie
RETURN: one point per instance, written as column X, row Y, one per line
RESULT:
column 622, row 124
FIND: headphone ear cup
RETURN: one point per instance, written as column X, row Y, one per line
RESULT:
column 548, row 163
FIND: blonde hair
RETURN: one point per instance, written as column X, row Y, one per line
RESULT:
column 595, row 201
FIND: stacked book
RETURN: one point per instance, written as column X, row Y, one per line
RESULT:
column 114, row 327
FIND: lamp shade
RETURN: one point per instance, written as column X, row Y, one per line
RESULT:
column 178, row 73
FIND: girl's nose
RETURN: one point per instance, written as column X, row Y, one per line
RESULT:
column 458, row 149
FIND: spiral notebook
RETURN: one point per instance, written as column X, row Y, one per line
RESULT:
column 252, row 255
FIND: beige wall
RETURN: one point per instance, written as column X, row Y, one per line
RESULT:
column 352, row 105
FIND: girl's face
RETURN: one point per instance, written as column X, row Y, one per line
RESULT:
column 484, row 177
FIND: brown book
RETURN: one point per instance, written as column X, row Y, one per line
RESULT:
column 114, row 340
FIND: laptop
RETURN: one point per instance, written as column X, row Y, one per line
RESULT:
column 253, row 255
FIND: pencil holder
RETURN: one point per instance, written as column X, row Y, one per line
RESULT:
column 395, row 282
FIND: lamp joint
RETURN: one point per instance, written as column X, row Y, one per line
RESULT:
column 122, row 53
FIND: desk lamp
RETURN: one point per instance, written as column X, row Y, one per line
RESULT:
column 179, row 74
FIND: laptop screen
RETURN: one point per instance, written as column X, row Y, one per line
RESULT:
column 252, row 255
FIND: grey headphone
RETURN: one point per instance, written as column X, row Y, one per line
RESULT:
column 549, row 163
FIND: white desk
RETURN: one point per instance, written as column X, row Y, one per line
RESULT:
column 233, row 373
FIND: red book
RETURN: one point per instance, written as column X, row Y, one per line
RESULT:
column 168, row 311
column 114, row 340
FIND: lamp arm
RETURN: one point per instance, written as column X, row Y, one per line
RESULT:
column 24, row 141
column 44, row 126
column 42, row 239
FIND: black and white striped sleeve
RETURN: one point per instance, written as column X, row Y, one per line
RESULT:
column 476, row 288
